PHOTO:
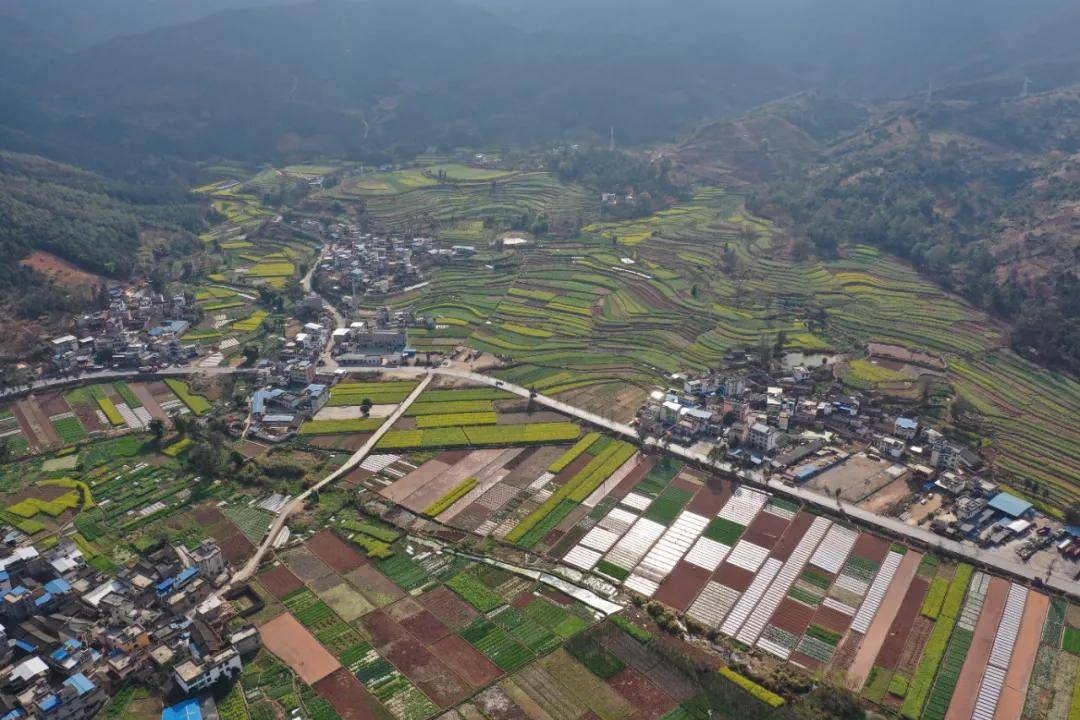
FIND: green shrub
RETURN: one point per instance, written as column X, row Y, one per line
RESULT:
column 766, row 696
column 641, row 635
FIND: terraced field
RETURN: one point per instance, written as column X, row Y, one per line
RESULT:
column 624, row 303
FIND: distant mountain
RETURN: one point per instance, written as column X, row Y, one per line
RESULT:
column 364, row 78
column 77, row 25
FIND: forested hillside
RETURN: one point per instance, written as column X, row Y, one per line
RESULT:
column 982, row 197
column 78, row 216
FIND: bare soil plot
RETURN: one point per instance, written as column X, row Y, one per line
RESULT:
column 349, row 697
column 29, row 430
column 845, row 652
column 305, row 565
column 710, row 498
column 887, row 496
column 53, row 404
column 790, row 539
column 497, row 705
column 376, row 587
column 682, row 585
column 897, row 639
column 870, row 547
column 346, row 602
column 149, row 402
column 414, row 660
column 792, row 616
column 576, row 465
column 733, row 576
column 415, row 618
column 650, row 701
column 766, row 530
column 650, row 663
column 448, row 607
column 280, row 581
column 1014, row 693
column 335, row 552
column 473, row 667
column 39, row 421
column 235, row 547
column 857, row 478
column 591, row 690
column 542, row 696
column 971, row 674
column 882, row 622
column 418, row 478
column 832, row 619
column 289, row 640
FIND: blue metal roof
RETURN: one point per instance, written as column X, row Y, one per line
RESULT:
column 12, row 715
column 1010, row 504
column 81, row 683
column 50, row 703
column 187, row 574
column 907, row 423
column 44, row 599
column 59, row 586
column 187, row 710
column 23, row 645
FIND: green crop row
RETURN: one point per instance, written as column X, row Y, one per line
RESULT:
column 935, row 596
column 922, row 681
column 456, row 493
column 764, row 695
column 579, row 487
column 445, row 408
column 457, row 419
column 572, row 454
column 336, row 427
column 480, row 435
column 196, row 403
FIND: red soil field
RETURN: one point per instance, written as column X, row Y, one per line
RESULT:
column 1011, row 703
column 280, row 581
column 971, row 675
column 766, row 530
column 710, row 498
column 845, row 652
column 792, row 616
column 896, row 640
column 335, row 552
column 54, row 404
column 42, row 427
column 796, row 529
column 733, row 576
column 63, row 272
column 349, row 697
column 89, row 418
column 289, row 640
column 871, row 547
column 236, row 547
column 575, row 466
column 469, row 662
column 410, row 656
column 804, row 661
column 882, row 622
column 650, row 701
column 915, row 644
column 425, row 626
column 27, row 427
column 832, row 619
column 682, row 585
column 356, row 477
column 633, row 478
column 684, row 483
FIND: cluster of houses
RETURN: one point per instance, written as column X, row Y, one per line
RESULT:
column 357, row 263
column 140, row 328
column 70, row 634
column 378, row 340
column 785, row 427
